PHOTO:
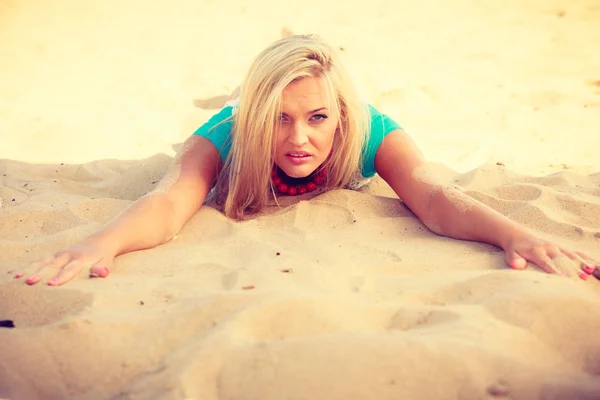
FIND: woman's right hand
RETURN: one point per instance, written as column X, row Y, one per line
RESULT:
column 60, row 268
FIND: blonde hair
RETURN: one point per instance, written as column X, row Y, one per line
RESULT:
column 245, row 180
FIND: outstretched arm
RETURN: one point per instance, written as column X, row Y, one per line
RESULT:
column 447, row 211
column 150, row 221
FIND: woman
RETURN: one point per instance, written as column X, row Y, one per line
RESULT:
column 297, row 125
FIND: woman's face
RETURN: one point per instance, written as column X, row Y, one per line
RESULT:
column 308, row 124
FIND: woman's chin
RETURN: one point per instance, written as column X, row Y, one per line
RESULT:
column 296, row 171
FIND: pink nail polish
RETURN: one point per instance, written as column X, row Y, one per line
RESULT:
column 584, row 276
column 52, row 282
column 19, row 275
column 105, row 272
column 589, row 269
column 10, row 271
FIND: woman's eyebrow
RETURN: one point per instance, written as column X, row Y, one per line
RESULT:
column 310, row 112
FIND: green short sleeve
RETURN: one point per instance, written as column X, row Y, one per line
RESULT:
column 381, row 125
column 218, row 131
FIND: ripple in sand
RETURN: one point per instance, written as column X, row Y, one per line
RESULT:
column 518, row 192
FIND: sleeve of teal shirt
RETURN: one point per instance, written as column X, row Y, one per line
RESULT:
column 218, row 131
column 381, row 125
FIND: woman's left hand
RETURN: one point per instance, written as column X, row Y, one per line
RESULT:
column 529, row 248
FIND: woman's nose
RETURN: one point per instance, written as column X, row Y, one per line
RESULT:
column 298, row 135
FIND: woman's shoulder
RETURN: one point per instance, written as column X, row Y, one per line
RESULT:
column 218, row 129
column 380, row 125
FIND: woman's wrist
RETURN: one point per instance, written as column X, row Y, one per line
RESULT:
column 513, row 233
column 104, row 242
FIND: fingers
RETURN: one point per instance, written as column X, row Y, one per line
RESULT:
column 48, row 266
column 586, row 258
column 555, row 260
column 515, row 261
column 538, row 257
column 41, row 262
column 70, row 271
column 100, row 270
column 62, row 267
column 543, row 256
column 547, row 264
column 586, row 264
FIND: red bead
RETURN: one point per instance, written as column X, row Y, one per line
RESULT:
column 322, row 172
column 318, row 180
column 283, row 188
column 301, row 189
column 273, row 172
column 276, row 181
column 311, row 187
column 292, row 191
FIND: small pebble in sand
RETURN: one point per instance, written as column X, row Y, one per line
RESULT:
column 286, row 270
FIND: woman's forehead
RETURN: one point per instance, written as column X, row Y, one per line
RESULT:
column 306, row 94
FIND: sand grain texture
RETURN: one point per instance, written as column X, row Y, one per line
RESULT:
column 342, row 296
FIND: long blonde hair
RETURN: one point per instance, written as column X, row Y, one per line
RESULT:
column 245, row 180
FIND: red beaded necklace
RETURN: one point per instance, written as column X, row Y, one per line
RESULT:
column 284, row 185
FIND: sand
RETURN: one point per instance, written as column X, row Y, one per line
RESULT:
column 345, row 295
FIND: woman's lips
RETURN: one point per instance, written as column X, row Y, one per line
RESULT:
column 298, row 158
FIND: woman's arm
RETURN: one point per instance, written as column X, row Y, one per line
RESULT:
column 157, row 216
column 447, row 211
column 150, row 221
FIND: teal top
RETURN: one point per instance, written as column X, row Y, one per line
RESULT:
column 219, row 134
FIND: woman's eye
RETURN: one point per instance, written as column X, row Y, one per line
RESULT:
column 320, row 117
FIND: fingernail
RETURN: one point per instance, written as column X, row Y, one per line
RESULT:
column 94, row 275
column 10, row 271
column 584, row 276
column 17, row 276
column 52, row 281
column 589, row 269
column 31, row 280
column 563, row 274
column 104, row 272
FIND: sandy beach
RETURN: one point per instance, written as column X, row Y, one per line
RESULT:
column 337, row 295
